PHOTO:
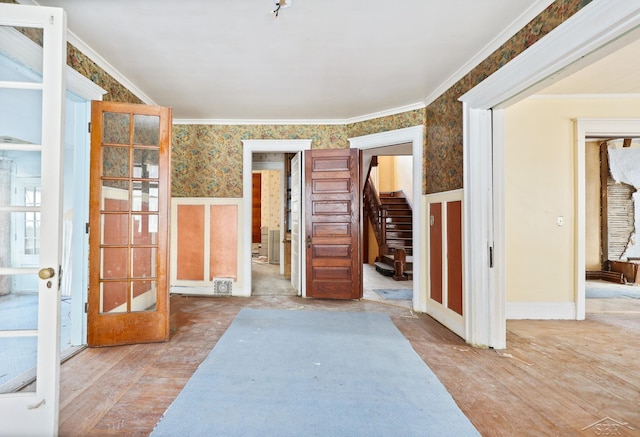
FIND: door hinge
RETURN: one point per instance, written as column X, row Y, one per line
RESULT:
column 86, row 307
column 86, row 228
column 89, row 127
column 490, row 257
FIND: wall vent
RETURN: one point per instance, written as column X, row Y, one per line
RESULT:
column 222, row 286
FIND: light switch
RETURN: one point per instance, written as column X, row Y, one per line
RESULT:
column 560, row 220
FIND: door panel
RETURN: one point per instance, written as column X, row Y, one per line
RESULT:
column 32, row 126
column 435, row 251
column 454, row 256
column 332, row 224
column 129, row 210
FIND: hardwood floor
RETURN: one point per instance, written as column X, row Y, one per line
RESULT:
column 554, row 378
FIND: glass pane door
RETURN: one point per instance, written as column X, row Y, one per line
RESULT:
column 128, row 293
column 31, row 129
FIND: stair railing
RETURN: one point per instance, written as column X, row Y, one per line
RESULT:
column 377, row 214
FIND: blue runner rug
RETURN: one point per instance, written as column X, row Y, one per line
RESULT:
column 395, row 293
column 313, row 373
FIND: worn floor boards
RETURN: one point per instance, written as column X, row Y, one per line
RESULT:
column 554, row 378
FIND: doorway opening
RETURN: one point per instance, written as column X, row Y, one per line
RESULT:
column 267, row 154
column 271, row 225
column 20, row 172
column 387, row 240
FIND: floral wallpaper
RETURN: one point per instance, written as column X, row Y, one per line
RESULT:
column 207, row 159
column 383, row 124
column 443, row 143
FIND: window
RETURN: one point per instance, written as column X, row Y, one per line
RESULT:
column 32, row 221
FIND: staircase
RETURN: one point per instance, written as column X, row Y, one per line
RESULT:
column 390, row 215
column 398, row 233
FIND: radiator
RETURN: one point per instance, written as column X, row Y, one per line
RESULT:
column 274, row 246
column 222, row 286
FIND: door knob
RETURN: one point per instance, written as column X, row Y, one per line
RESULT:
column 46, row 273
column 309, row 242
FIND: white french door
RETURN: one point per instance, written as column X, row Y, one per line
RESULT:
column 31, row 140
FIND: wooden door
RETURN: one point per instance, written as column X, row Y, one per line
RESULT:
column 129, row 224
column 256, row 208
column 332, row 225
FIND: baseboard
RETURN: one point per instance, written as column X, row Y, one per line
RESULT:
column 541, row 311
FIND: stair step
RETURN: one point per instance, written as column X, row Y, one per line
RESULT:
column 388, row 260
column 386, row 270
column 399, row 226
column 399, row 219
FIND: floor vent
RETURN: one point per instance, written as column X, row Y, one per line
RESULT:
column 222, row 286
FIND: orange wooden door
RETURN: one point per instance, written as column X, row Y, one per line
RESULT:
column 256, row 207
column 129, row 224
column 332, row 225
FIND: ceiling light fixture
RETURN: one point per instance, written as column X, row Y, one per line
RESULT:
column 281, row 4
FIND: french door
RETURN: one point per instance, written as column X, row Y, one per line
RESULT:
column 129, row 224
column 31, row 133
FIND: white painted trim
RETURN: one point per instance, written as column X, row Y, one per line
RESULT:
column 541, row 311
column 591, row 28
column 533, row 11
column 414, row 135
column 435, row 309
column 499, row 277
column 249, row 147
column 283, row 198
column 447, row 317
column 108, row 68
column 204, row 287
column 585, row 127
column 294, row 122
column 481, row 328
column 20, row 48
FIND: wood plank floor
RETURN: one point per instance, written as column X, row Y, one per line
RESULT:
column 555, row 378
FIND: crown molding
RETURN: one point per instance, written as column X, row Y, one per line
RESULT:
column 99, row 61
column 107, row 67
column 22, row 49
column 294, row 122
column 532, row 12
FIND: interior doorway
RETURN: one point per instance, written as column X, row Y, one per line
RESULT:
column 20, row 172
column 387, row 212
column 598, row 291
column 260, row 155
column 271, row 249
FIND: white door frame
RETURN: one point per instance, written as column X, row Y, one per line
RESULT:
column 415, row 136
column 249, row 147
column 591, row 127
column 563, row 51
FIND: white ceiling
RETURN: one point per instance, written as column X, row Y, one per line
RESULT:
column 615, row 74
column 319, row 60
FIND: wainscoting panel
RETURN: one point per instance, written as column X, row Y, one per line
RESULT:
column 205, row 244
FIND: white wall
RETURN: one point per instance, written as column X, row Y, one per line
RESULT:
column 540, row 187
